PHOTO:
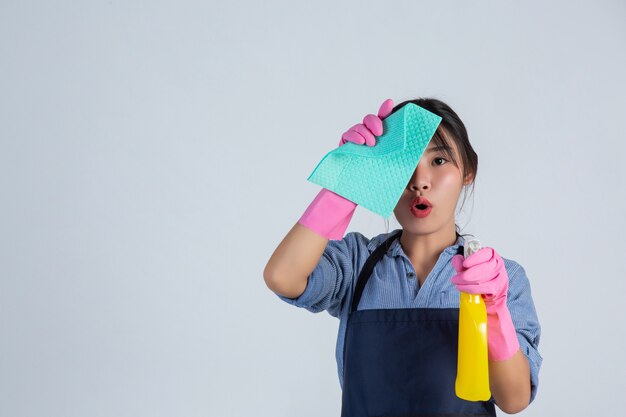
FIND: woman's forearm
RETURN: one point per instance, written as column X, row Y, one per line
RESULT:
column 509, row 382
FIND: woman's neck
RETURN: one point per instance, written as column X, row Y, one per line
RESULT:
column 424, row 249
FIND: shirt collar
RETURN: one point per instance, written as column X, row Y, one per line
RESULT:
column 396, row 249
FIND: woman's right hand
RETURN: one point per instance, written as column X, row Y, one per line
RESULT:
column 329, row 214
column 372, row 126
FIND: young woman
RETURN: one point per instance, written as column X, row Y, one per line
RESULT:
column 397, row 294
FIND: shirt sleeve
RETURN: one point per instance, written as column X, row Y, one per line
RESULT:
column 524, row 316
column 332, row 278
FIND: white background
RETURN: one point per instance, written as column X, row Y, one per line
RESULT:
column 154, row 153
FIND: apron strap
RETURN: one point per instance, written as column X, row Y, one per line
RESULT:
column 373, row 259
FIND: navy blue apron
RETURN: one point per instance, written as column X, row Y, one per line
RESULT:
column 402, row 362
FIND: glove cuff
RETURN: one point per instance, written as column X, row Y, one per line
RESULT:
column 328, row 215
column 502, row 339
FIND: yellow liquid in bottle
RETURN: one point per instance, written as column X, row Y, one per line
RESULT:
column 472, row 379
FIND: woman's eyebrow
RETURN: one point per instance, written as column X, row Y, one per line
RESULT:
column 435, row 149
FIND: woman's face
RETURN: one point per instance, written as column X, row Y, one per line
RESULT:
column 440, row 181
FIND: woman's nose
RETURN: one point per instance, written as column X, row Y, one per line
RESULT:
column 420, row 180
column 415, row 187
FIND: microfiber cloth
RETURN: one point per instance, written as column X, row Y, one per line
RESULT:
column 375, row 176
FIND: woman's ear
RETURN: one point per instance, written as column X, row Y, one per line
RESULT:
column 469, row 178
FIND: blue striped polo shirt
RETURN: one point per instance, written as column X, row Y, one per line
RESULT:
column 394, row 284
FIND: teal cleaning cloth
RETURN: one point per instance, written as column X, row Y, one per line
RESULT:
column 375, row 176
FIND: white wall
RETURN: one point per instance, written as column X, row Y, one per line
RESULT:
column 153, row 154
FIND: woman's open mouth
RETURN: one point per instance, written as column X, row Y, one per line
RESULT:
column 421, row 207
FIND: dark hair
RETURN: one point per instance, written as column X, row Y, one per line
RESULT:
column 452, row 129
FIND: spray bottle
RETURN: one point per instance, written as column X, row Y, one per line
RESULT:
column 472, row 379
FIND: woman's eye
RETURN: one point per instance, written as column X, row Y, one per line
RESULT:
column 440, row 159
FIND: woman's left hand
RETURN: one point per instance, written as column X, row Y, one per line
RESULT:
column 482, row 272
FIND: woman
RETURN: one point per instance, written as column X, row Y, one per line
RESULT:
column 397, row 295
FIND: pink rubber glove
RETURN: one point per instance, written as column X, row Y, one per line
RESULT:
column 329, row 214
column 483, row 272
column 363, row 133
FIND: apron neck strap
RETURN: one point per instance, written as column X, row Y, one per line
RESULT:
column 373, row 259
